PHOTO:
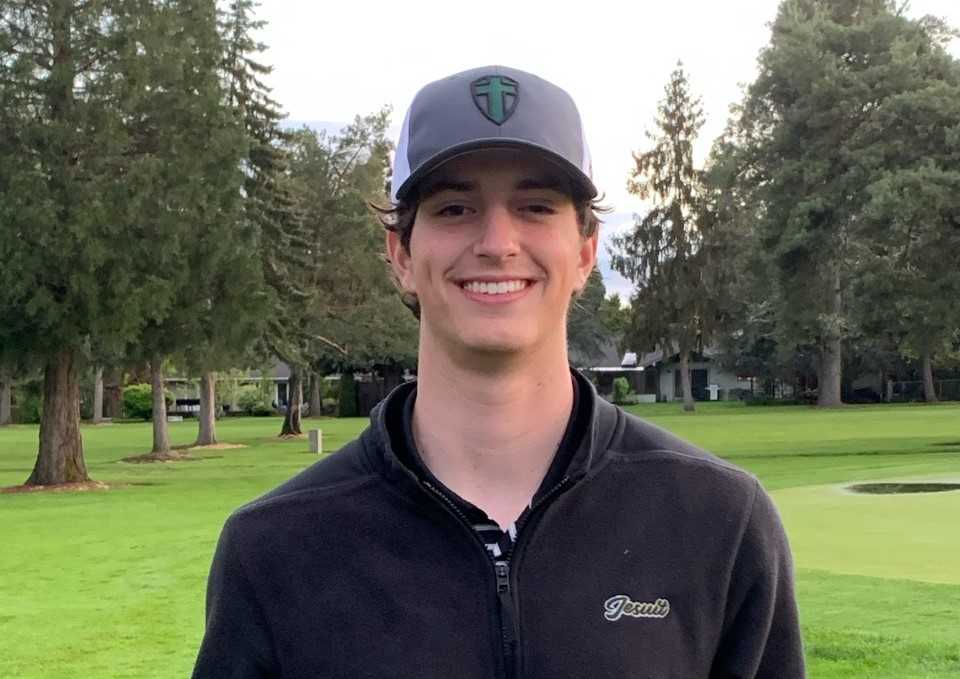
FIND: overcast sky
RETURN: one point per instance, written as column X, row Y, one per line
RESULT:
column 335, row 60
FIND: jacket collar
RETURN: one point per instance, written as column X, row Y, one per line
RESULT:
column 382, row 438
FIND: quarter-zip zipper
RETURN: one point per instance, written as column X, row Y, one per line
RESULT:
column 508, row 626
column 509, row 633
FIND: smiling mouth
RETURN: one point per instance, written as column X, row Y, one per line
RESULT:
column 493, row 288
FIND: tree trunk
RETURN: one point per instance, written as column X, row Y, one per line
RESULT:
column 291, row 421
column 831, row 356
column 6, row 397
column 98, row 396
column 113, row 394
column 161, row 431
column 60, row 459
column 316, row 401
column 208, row 410
column 828, row 376
column 688, row 405
column 929, row 388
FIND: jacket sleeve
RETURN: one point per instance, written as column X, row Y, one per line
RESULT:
column 237, row 642
column 761, row 631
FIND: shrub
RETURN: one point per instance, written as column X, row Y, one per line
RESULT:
column 348, row 395
column 330, row 406
column 621, row 391
column 739, row 394
column 329, row 389
column 138, row 401
column 28, row 403
column 250, row 401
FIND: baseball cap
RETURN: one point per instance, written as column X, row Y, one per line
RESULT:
column 490, row 107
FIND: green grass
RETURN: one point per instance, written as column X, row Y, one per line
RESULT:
column 110, row 583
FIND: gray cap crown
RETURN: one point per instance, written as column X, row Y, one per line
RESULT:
column 490, row 107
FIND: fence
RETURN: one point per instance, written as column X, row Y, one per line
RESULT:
column 946, row 390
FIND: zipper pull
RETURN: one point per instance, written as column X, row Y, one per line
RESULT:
column 502, row 569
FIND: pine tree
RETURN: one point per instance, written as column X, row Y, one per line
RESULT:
column 337, row 178
column 353, row 320
column 116, row 156
column 197, row 199
column 662, row 254
column 272, row 204
column 585, row 329
column 910, row 286
column 821, row 125
column 64, row 210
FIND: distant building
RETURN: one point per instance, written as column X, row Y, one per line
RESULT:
column 655, row 377
column 708, row 380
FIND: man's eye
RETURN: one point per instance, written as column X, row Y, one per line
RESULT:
column 540, row 209
column 452, row 211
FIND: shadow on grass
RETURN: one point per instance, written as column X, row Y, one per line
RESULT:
column 846, row 453
column 898, row 488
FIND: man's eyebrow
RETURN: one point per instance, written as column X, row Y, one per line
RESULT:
column 441, row 185
column 543, row 184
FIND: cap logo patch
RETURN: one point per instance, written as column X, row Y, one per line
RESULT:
column 496, row 97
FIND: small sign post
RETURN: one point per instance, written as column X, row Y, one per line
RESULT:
column 316, row 441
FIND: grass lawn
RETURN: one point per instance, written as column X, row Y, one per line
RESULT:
column 110, row 583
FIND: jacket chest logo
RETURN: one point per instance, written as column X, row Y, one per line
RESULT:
column 620, row 605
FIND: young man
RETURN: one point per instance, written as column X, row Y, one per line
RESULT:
column 498, row 519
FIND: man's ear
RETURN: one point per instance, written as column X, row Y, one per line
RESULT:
column 588, row 258
column 400, row 261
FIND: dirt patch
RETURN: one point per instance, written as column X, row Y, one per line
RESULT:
column 216, row 446
column 897, row 488
column 57, row 488
column 172, row 456
column 292, row 437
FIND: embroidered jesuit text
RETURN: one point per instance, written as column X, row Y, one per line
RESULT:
column 620, row 605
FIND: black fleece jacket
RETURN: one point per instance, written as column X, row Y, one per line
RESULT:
column 649, row 558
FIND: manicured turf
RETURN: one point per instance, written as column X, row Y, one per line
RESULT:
column 110, row 583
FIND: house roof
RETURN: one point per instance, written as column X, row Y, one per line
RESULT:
column 605, row 354
column 653, row 357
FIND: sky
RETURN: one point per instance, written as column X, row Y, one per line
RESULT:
column 335, row 60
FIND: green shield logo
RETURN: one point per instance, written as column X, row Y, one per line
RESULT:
column 496, row 97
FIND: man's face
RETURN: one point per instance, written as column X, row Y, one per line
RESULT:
column 495, row 253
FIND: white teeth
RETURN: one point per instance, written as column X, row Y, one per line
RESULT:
column 491, row 288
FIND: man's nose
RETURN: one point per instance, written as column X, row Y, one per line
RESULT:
column 498, row 234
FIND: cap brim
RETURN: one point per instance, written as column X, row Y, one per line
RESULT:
column 577, row 176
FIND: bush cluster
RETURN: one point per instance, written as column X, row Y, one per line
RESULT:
column 250, row 401
column 622, row 391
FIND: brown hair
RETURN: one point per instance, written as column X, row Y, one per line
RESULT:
column 400, row 219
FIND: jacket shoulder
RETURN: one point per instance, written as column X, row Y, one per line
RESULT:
column 337, row 472
column 637, row 440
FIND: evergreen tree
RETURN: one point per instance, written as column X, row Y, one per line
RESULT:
column 585, row 329
column 272, row 204
column 615, row 319
column 662, row 254
column 350, row 318
column 818, row 129
column 196, row 201
column 910, row 287
column 78, row 196
column 751, row 340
